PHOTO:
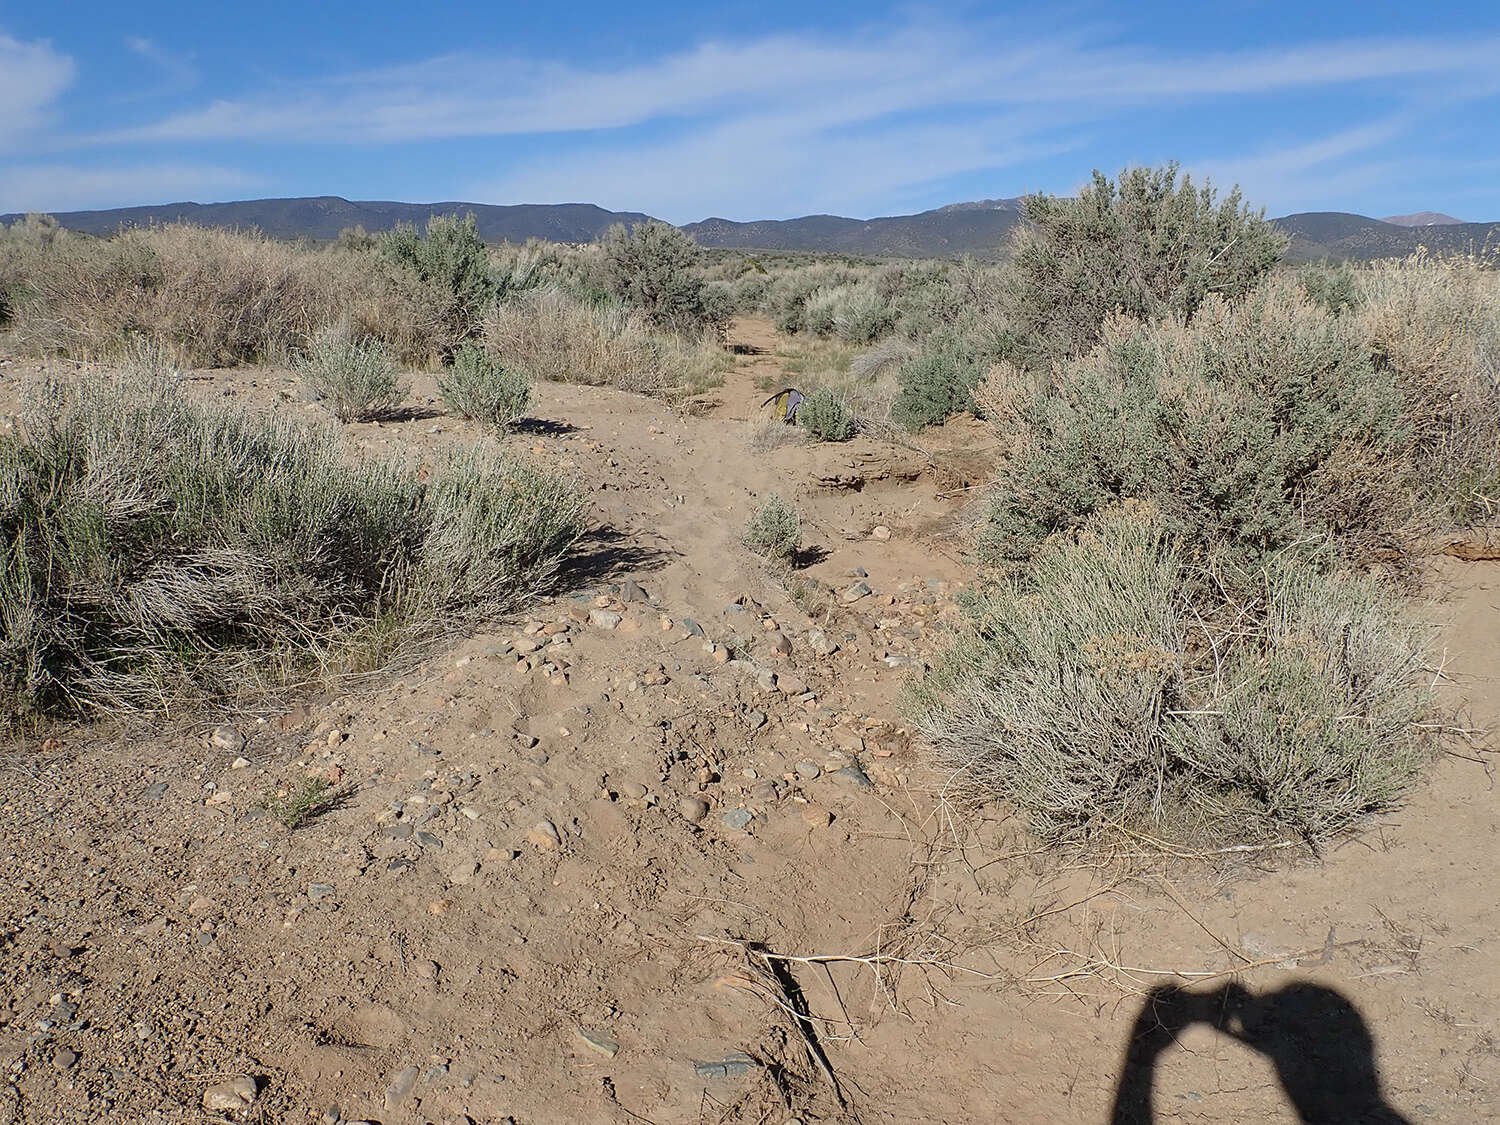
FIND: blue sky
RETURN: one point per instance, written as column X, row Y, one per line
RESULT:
column 746, row 110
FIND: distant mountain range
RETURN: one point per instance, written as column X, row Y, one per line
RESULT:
column 980, row 228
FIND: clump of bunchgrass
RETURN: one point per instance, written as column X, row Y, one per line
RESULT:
column 485, row 390
column 153, row 551
column 356, row 380
column 775, row 530
column 296, row 807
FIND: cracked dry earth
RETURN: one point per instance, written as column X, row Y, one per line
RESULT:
column 569, row 853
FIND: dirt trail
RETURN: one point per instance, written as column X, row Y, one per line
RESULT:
column 521, row 911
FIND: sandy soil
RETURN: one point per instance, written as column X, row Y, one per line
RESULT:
column 521, row 911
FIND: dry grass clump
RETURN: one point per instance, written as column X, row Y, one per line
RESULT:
column 153, row 551
column 1114, row 686
column 356, row 380
column 549, row 335
column 1435, row 327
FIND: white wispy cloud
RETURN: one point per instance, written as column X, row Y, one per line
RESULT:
column 73, row 187
column 178, row 69
column 32, row 77
column 790, row 123
column 468, row 95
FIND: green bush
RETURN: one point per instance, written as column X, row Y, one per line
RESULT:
column 1334, row 288
column 356, row 380
column 654, row 268
column 451, row 263
column 153, row 551
column 1259, row 425
column 827, row 415
column 775, row 530
column 483, row 389
column 1113, row 686
column 936, row 383
column 1146, row 245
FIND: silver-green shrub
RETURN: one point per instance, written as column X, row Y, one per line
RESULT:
column 1113, row 688
column 485, row 390
column 154, row 551
column 356, row 380
column 775, row 530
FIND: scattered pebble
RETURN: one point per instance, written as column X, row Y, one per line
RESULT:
column 236, row 1093
column 599, row 1042
column 316, row 892
column 400, row 1086
column 605, row 619
column 227, row 738
column 808, row 769
column 857, row 591
column 544, row 834
column 693, row 808
column 738, row 819
column 855, row 776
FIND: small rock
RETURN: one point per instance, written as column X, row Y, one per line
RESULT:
column 464, row 873
column 778, row 644
column 544, row 834
column 857, row 591
column 316, row 892
column 880, row 531
column 397, row 831
column 855, row 776
column 692, row 627
column 65, row 1059
column 154, row 792
column 815, row 816
column 428, row 840
column 630, row 591
column 731, row 1066
column 633, row 790
column 599, row 1042
column 236, row 1093
column 819, row 642
column 756, row 719
column 791, row 685
column 693, row 808
column 738, row 819
column 400, row 1086
column 765, row 679
column 808, row 769
column 239, row 763
column 605, row 619
column 226, row 738
column 859, row 572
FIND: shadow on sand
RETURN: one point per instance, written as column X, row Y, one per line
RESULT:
column 1315, row 1038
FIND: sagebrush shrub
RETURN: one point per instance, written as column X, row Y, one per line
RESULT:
column 1114, row 686
column 484, row 389
column 775, row 530
column 450, row 261
column 153, row 551
column 1260, row 424
column 1147, row 244
column 936, row 383
column 827, row 415
column 357, row 381
column 654, row 268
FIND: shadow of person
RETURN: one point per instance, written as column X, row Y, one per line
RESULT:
column 1318, row 1042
